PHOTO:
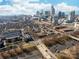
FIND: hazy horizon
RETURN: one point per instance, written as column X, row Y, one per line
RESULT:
column 29, row 7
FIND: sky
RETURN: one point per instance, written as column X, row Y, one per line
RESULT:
column 29, row 7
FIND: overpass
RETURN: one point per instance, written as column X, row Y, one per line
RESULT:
column 47, row 54
column 73, row 37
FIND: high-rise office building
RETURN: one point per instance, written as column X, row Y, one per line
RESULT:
column 52, row 13
column 52, row 10
column 37, row 13
column 61, row 14
column 47, row 14
column 72, row 16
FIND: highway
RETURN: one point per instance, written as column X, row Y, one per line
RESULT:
column 47, row 54
column 73, row 37
column 69, row 35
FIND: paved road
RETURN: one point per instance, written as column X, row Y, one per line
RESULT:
column 47, row 54
column 69, row 35
column 73, row 37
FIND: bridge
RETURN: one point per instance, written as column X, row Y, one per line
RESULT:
column 47, row 54
column 73, row 37
column 69, row 35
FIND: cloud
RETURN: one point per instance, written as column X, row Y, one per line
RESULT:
column 65, row 7
column 26, row 6
column 23, row 7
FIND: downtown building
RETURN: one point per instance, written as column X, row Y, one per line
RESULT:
column 71, row 17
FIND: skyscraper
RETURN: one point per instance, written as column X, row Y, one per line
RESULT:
column 52, row 13
column 37, row 13
column 61, row 14
column 52, row 10
column 72, row 16
column 47, row 14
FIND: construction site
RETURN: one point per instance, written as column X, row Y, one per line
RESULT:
column 42, row 41
column 39, row 29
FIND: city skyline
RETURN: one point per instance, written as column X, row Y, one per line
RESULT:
column 17, row 7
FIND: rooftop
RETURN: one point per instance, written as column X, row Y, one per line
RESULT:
column 11, row 34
